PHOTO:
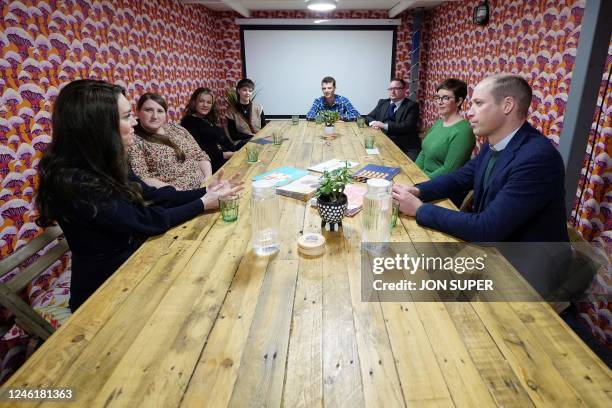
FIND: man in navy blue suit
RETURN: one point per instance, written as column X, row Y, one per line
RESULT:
column 518, row 183
column 397, row 117
column 517, row 178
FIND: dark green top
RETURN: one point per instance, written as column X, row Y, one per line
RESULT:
column 445, row 149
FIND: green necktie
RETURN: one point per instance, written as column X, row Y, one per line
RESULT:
column 489, row 169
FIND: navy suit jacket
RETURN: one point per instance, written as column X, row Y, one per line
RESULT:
column 402, row 130
column 524, row 201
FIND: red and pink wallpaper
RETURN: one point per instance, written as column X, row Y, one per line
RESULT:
column 162, row 46
column 535, row 39
column 594, row 195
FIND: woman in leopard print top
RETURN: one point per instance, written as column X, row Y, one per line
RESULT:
column 163, row 153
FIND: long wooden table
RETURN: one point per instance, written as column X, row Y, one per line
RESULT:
column 194, row 318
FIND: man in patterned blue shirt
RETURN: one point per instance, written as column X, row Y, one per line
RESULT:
column 331, row 101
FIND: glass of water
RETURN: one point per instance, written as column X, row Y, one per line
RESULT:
column 252, row 152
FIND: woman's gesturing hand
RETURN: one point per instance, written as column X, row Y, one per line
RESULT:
column 221, row 188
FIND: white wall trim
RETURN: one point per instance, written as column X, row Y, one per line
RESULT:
column 237, row 7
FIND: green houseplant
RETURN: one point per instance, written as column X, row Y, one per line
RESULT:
column 231, row 97
column 331, row 200
column 329, row 118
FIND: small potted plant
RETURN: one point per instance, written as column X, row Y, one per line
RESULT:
column 329, row 118
column 331, row 200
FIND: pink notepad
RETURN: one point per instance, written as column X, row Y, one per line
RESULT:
column 354, row 194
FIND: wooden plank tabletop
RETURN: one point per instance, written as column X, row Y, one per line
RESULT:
column 194, row 318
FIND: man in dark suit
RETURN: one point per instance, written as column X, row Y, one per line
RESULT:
column 517, row 178
column 397, row 118
column 518, row 183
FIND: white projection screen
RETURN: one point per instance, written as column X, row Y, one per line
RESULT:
column 287, row 65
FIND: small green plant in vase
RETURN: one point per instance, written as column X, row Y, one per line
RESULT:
column 329, row 118
column 331, row 200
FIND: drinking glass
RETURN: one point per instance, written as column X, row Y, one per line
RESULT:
column 369, row 141
column 229, row 208
column 277, row 137
column 252, row 153
column 394, row 213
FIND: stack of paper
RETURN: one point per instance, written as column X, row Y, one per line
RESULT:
column 354, row 194
column 332, row 164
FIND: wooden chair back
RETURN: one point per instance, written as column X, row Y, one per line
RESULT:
column 26, row 317
column 466, row 205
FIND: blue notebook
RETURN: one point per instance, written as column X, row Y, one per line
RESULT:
column 262, row 140
column 375, row 171
column 282, row 175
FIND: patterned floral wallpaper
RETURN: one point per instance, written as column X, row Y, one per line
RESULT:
column 536, row 39
column 159, row 46
column 594, row 196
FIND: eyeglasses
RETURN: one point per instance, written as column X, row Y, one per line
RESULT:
column 444, row 98
column 394, row 89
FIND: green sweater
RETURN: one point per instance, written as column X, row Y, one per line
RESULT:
column 445, row 149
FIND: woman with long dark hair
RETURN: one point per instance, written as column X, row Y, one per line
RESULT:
column 165, row 153
column 86, row 186
column 200, row 119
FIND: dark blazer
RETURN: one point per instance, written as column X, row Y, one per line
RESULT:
column 402, row 130
column 101, row 241
column 524, row 201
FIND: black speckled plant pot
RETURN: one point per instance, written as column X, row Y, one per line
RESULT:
column 332, row 213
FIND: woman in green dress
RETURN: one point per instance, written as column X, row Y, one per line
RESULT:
column 450, row 141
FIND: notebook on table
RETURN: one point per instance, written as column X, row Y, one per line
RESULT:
column 375, row 171
column 282, row 175
column 303, row 188
column 262, row 140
